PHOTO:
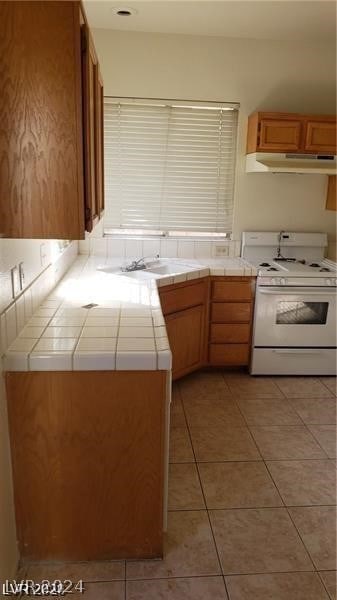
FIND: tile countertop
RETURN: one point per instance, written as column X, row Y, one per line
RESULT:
column 125, row 331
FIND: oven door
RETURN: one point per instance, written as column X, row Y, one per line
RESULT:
column 295, row 317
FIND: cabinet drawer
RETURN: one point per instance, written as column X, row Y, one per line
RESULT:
column 231, row 290
column 184, row 297
column 230, row 333
column 229, row 354
column 231, row 312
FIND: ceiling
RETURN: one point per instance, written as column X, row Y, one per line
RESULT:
column 302, row 20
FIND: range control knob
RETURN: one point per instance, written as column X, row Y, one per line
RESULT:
column 283, row 281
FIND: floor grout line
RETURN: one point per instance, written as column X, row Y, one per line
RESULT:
column 323, row 583
column 204, row 498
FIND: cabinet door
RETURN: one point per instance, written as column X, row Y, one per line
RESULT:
column 320, row 137
column 185, row 330
column 99, row 144
column 279, row 135
column 41, row 155
column 90, row 97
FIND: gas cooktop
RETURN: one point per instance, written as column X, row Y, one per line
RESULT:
column 299, row 266
column 289, row 258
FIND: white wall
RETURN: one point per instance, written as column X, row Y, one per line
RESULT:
column 265, row 75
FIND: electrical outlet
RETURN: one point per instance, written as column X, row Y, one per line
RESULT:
column 43, row 255
column 221, row 250
column 21, row 276
column 15, row 281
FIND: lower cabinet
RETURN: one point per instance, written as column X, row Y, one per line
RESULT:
column 208, row 322
column 89, row 454
column 231, row 314
column 185, row 308
column 185, row 333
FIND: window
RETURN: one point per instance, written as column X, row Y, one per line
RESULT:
column 169, row 167
column 302, row 313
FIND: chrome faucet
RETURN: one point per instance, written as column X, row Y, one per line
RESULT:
column 139, row 264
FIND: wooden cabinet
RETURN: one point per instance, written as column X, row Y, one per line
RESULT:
column 331, row 201
column 231, row 319
column 93, row 131
column 292, row 133
column 233, row 355
column 230, row 333
column 177, row 297
column 208, row 322
column 185, row 330
column 228, row 289
column 185, row 307
column 231, row 312
column 51, row 155
column 278, row 135
column 100, row 143
column 88, row 463
column 320, row 137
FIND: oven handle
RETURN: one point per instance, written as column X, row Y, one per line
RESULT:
column 302, row 351
column 297, row 291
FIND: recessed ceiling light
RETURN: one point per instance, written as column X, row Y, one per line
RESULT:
column 124, row 11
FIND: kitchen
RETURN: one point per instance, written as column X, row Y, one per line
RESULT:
column 261, row 64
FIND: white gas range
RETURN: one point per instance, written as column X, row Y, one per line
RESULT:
column 294, row 329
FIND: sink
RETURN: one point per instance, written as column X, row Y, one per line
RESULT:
column 153, row 270
column 170, row 268
column 140, row 274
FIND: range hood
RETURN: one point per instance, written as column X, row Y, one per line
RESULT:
column 272, row 162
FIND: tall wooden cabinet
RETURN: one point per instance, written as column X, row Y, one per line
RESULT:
column 51, row 152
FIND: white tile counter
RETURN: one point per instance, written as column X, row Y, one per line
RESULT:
column 125, row 330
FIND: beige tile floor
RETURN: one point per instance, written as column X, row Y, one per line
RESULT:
column 252, row 495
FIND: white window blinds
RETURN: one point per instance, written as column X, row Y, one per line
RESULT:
column 169, row 167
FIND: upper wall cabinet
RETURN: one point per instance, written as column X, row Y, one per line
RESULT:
column 291, row 133
column 93, row 131
column 51, row 152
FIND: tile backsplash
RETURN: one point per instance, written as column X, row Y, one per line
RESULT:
column 115, row 247
column 14, row 313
